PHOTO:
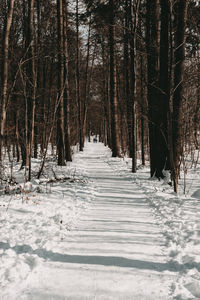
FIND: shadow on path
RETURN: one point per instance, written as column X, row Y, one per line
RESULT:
column 112, row 261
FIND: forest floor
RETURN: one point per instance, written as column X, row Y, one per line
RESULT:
column 92, row 230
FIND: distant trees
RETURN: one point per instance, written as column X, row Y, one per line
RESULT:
column 164, row 37
column 112, row 68
column 35, row 79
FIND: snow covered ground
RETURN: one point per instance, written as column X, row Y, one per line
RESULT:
column 93, row 230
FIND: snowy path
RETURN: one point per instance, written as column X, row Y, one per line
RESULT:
column 115, row 252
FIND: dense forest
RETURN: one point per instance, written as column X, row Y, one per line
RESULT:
column 125, row 71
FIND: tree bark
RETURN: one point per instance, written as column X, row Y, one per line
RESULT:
column 133, row 54
column 38, row 63
column 180, row 11
column 31, row 86
column 152, row 43
column 164, row 87
column 113, row 84
column 127, row 79
column 5, row 66
column 60, row 98
column 78, row 96
column 142, row 97
column 68, row 154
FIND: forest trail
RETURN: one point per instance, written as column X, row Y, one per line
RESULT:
column 115, row 252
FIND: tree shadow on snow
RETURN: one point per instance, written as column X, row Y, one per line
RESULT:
column 111, row 261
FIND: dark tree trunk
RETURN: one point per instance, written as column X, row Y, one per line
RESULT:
column 17, row 132
column 143, row 105
column 87, row 82
column 127, row 79
column 5, row 65
column 113, row 84
column 133, row 54
column 106, row 97
column 163, row 153
column 78, row 95
column 152, row 40
column 60, row 118
column 31, row 87
column 180, row 11
column 39, row 71
column 68, row 154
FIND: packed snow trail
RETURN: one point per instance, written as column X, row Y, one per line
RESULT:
column 116, row 251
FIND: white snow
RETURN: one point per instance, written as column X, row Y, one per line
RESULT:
column 94, row 230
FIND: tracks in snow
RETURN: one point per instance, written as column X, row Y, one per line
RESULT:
column 115, row 251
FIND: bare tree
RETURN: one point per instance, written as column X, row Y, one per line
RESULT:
column 68, row 154
column 30, row 86
column 5, row 50
column 152, row 43
column 180, row 12
column 113, row 83
column 133, row 10
column 78, row 95
column 60, row 97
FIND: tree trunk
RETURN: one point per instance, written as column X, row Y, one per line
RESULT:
column 106, row 96
column 87, row 81
column 133, row 55
column 60, row 118
column 127, row 79
column 179, row 57
column 16, row 116
column 78, row 96
column 39, row 71
column 142, row 97
column 31, row 86
column 113, row 85
column 164, row 87
column 68, row 154
column 5, row 66
column 152, row 43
